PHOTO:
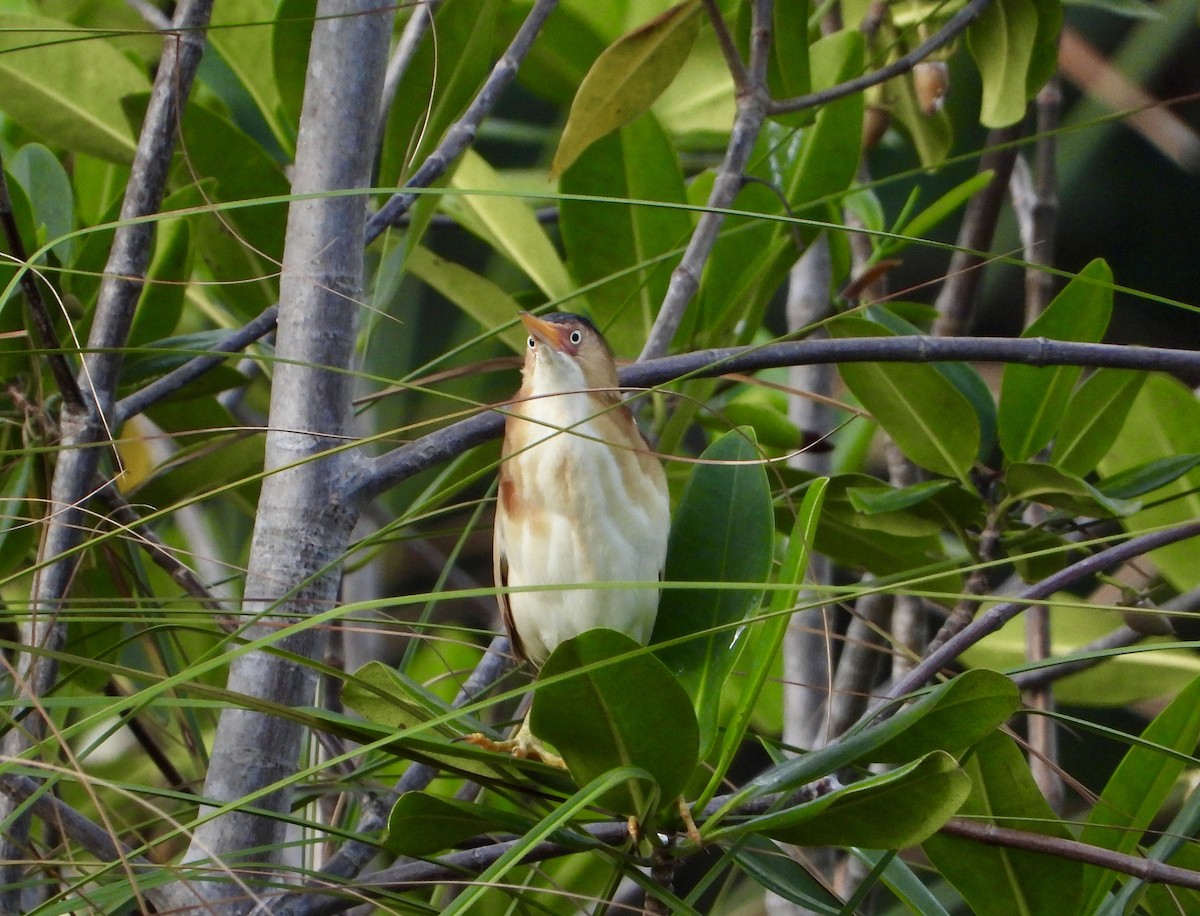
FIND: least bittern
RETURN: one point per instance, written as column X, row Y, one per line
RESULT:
column 582, row 499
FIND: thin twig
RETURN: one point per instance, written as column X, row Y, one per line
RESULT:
column 956, row 302
column 955, row 26
column 733, row 60
column 1146, row 869
column 121, row 512
column 45, row 335
column 73, row 825
column 997, row 615
column 462, row 133
column 236, row 341
column 752, row 101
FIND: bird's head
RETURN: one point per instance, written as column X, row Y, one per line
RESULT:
column 565, row 352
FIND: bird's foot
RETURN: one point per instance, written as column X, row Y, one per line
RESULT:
column 685, row 813
column 523, row 745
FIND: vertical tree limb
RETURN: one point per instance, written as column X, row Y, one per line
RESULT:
column 303, row 522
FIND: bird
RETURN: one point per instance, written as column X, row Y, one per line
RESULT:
column 582, row 498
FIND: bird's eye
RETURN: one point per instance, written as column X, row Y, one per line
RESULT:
column 532, row 342
column 577, row 337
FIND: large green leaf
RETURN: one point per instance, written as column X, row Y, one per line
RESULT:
column 1136, row 791
column 605, row 704
column 723, row 532
column 994, row 880
column 928, row 418
column 620, row 246
column 891, row 811
column 67, row 93
column 1164, row 421
column 1033, row 400
column 245, row 243
column 1093, row 419
column 626, row 79
column 964, row 376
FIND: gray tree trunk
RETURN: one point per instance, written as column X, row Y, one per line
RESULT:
column 303, row 523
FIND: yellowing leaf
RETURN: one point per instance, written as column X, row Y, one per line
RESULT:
column 627, row 78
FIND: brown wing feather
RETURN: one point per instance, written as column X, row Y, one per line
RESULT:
column 500, row 564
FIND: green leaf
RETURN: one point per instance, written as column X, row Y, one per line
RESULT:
column 565, row 49
column 788, row 72
column 379, row 694
column 960, row 713
column 1164, row 421
column 925, row 221
column 1002, row 42
column 723, row 532
column 875, row 500
column 1137, row 790
column 891, row 811
column 625, row 709
column 626, row 79
column 1032, row 399
column 994, row 880
column 507, row 223
column 1042, row 483
column 927, row 417
column 48, row 189
column 827, row 159
column 421, row 824
column 1142, row 479
column 766, row 634
column 242, row 34
column 439, row 83
column 776, row 871
column 290, row 41
column 476, row 295
column 932, row 135
column 217, row 148
column 624, row 248
column 1093, row 419
column 960, row 719
column 964, row 376
column 67, row 93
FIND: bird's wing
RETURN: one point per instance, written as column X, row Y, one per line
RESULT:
column 500, row 575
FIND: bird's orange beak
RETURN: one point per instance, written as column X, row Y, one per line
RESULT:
column 549, row 333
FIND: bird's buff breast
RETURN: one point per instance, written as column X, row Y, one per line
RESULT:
column 589, row 513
